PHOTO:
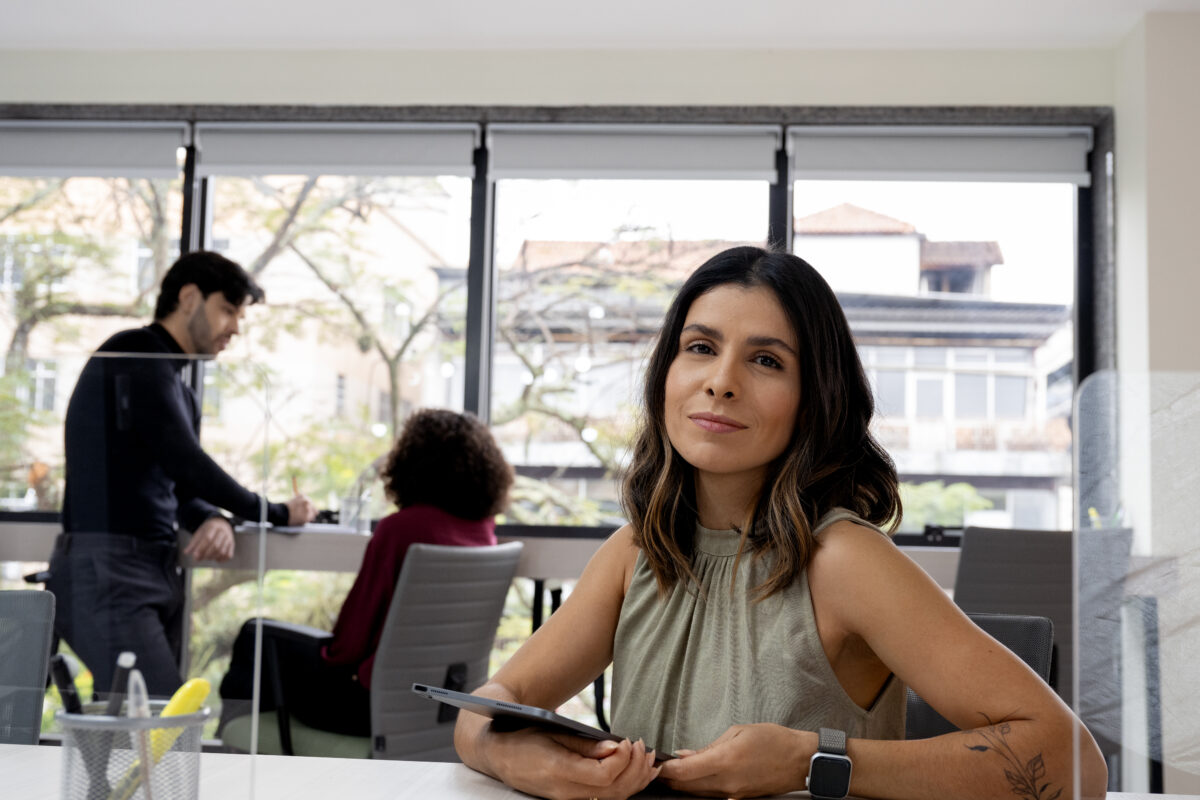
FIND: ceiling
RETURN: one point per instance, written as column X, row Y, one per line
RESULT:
column 570, row 24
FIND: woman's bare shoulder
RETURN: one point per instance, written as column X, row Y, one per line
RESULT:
column 622, row 552
column 862, row 578
column 849, row 539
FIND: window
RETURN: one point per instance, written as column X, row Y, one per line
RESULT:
column 211, row 396
column 930, row 393
column 42, row 373
column 890, row 390
column 359, row 237
column 596, row 227
column 1011, row 396
column 930, row 275
column 78, row 203
column 957, row 245
column 970, row 396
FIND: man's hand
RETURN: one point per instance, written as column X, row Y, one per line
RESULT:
column 300, row 510
column 212, row 541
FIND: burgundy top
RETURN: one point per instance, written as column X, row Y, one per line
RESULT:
column 360, row 622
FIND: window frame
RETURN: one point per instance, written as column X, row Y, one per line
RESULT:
column 1094, row 307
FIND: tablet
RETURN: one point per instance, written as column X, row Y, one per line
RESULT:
column 508, row 716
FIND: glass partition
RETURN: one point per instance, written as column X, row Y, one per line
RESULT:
column 1137, row 576
column 117, row 549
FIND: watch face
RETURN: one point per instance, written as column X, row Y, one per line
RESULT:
column 829, row 776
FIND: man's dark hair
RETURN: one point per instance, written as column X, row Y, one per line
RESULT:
column 211, row 272
column 448, row 460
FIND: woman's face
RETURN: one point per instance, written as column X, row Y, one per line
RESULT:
column 733, row 390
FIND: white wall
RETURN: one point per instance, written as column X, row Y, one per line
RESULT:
column 1157, row 170
column 859, row 263
column 1035, row 77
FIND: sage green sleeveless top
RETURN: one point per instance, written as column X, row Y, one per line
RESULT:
column 685, row 669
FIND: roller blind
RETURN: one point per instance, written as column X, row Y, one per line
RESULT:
column 348, row 149
column 733, row 152
column 91, row 149
column 950, row 153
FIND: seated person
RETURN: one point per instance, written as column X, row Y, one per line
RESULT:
column 754, row 609
column 448, row 477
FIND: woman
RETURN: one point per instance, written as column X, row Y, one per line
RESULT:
column 753, row 598
column 448, row 477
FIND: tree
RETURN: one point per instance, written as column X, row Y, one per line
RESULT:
column 52, row 231
column 935, row 503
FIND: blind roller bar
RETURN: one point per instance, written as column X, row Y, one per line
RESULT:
column 724, row 152
column 63, row 148
column 336, row 149
column 949, row 153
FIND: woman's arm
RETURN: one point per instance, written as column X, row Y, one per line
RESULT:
column 1017, row 735
column 558, row 661
column 869, row 598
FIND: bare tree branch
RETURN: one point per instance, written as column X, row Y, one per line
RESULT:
column 283, row 232
column 31, row 201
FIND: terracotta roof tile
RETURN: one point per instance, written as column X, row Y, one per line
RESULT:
column 850, row 219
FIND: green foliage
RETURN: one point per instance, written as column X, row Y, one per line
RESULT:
column 15, row 420
column 934, row 503
column 224, row 599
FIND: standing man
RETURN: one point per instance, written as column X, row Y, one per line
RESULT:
column 135, row 470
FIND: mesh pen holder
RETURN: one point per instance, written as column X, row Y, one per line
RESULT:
column 102, row 757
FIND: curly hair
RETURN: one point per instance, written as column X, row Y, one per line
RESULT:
column 449, row 460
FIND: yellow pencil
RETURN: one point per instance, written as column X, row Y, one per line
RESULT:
column 187, row 700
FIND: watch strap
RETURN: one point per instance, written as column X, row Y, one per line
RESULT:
column 831, row 740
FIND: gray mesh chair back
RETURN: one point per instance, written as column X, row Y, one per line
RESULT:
column 1030, row 572
column 440, row 630
column 26, row 630
column 1030, row 637
column 1021, row 572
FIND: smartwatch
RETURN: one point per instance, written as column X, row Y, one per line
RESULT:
column 829, row 769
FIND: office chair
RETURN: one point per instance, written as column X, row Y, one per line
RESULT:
column 440, row 629
column 26, row 629
column 1030, row 637
column 1030, row 572
column 1024, row 572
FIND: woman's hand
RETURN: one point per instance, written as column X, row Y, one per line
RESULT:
column 746, row 761
column 563, row 767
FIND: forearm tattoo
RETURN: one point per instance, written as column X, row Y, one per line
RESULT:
column 1026, row 777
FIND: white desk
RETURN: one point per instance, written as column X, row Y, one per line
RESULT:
column 323, row 548
column 319, row 548
column 33, row 773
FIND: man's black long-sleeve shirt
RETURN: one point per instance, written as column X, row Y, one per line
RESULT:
column 134, row 462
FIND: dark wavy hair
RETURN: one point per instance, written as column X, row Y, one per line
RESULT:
column 831, row 461
column 449, row 460
column 211, row 272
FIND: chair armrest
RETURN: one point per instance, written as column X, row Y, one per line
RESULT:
column 294, row 631
column 276, row 631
